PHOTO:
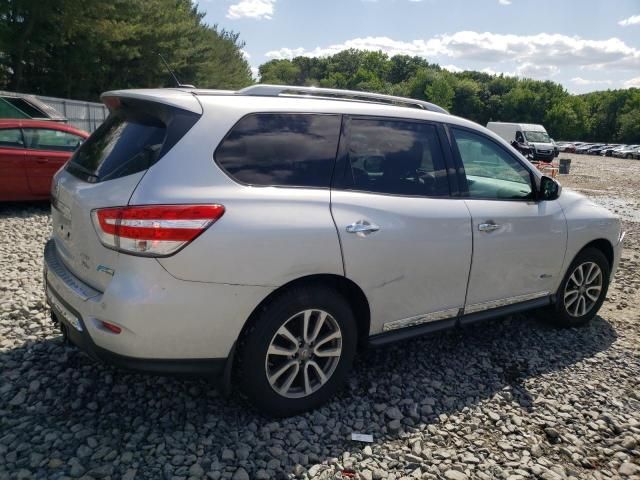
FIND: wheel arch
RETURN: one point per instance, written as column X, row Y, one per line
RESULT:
column 604, row 246
column 352, row 293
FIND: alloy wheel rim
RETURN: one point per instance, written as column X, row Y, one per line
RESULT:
column 583, row 289
column 303, row 353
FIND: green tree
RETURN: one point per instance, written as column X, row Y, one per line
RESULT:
column 440, row 91
column 280, row 72
column 567, row 118
column 78, row 49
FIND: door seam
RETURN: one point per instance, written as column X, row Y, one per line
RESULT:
column 466, row 293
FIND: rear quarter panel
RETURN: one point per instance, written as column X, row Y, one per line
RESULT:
column 268, row 236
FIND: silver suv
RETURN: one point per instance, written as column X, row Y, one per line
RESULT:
column 265, row 235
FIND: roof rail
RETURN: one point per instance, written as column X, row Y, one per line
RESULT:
column 264, row 90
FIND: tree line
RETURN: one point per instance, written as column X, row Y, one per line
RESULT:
column 606, row 116
column 81, row 48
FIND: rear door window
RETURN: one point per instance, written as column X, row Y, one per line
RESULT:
column 281, row 149
column 395, row 157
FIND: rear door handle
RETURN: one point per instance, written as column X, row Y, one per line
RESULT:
column 488, row 227
column 42, row 160
column 362, row 228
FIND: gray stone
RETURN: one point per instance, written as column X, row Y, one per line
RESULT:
column 240, row 474
column 455, row 475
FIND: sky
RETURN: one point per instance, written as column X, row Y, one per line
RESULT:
column 585, row 45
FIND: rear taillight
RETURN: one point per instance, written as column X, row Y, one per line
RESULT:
column 153, row 230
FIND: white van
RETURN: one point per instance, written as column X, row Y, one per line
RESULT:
column 532, row 135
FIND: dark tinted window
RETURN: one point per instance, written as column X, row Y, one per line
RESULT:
column 134, row 136
column 11, row 137
column 395, row 157
column 491, row 171
column 47, row 139
column 26, row 108
column 281, row 149
column 122, row 145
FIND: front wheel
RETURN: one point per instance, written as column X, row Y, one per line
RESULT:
column 298, row 352
column 583, row 289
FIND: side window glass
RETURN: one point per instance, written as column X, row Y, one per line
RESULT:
column 519, row 137
column 281, row 149
column 395, row 157
column 490, row 170
column 11, row 137
column 48, row 139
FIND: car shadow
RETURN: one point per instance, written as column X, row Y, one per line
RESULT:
column 160, row 425
column 24, row 209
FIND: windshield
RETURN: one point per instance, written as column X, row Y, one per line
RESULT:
column 537, row 137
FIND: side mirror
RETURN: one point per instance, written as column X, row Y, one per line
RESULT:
column 549, row 189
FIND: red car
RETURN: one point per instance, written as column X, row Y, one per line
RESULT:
column 31, row 151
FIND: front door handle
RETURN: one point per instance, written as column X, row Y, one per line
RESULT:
column 362, row 228
column 488, row 227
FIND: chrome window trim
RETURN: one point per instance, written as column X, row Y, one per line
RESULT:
column 480, row 307
column 420, row 319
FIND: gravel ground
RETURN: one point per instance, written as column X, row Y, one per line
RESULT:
column 512, row 398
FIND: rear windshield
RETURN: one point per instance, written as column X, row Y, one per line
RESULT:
column 130, row 140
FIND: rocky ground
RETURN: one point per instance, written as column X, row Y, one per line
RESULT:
column 512, row 398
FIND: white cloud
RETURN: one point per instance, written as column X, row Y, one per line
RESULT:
column 632, row 20
column 585, row 81
column 491, row 71
column 453, row 68
column 255, row 73
column 533, row 70
column 257, row 9
column 245, row 54
column 632, row 83
column 504, row 2
column 534, row 55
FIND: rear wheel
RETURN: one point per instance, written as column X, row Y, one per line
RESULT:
column 583, row 289
column 298, row 352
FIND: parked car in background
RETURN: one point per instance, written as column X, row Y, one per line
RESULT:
column 608, row 150
column 266, row 234
column 595, row 149
column 582, row 149
column 532, row 136
column 566, row 147
column 626, row 152
column 31, row 151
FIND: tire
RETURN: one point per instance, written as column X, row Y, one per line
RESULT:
column 581, row 307
column 256, row 364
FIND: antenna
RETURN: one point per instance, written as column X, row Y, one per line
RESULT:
column 178, row 84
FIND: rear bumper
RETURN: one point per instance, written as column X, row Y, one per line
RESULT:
column 211, row 367
column 167, row 325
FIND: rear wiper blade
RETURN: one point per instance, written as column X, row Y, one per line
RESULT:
column 85, row 170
